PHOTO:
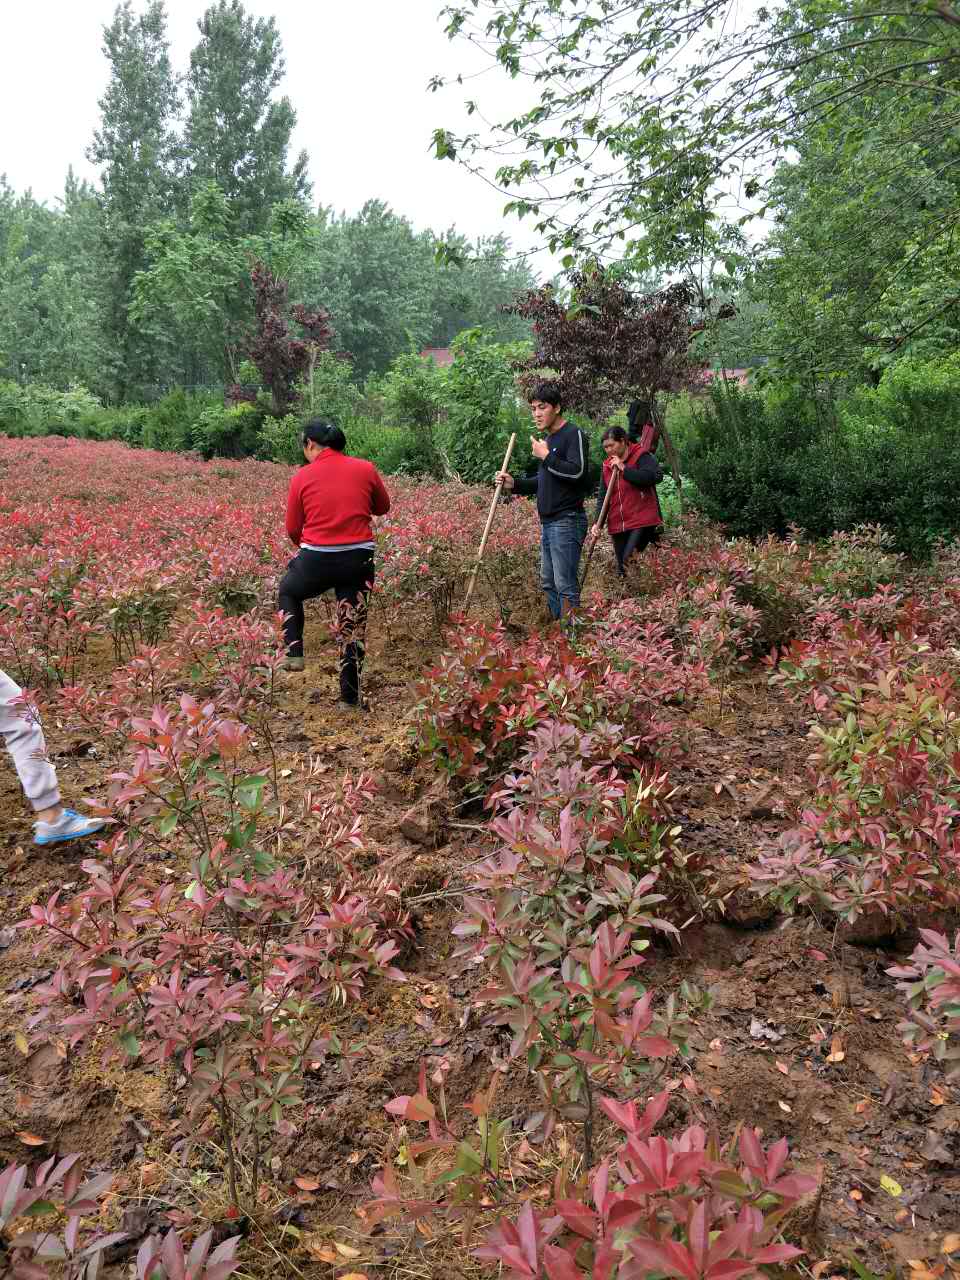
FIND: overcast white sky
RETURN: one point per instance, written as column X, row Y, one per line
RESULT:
column 357, row 72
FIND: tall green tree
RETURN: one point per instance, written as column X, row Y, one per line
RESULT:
column 137, row 150
column 376, row 275
column 389, row 294
column 194, row 299
column 237, row 131
column 50, row 327
column 652, row 123
column 474, row 283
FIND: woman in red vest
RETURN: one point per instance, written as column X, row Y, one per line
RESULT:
column 633, row 515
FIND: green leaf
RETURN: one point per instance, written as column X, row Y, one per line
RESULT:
column 131, row 1044
column 168, row 823
column 39, row 1208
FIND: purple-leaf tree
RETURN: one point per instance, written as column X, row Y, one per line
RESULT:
column 606, row 344
column 282, row 358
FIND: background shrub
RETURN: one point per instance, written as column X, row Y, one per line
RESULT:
column 763, row 461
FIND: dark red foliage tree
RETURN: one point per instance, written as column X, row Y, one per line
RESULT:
column 282, row 358
column 608, row 345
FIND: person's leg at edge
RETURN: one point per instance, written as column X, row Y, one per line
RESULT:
column 619, row 542
column 352, row 604
column 640, row 539
column 568, row 543
column 633, row 543
column 24, row 740
column 547, row 575
column 304, row 579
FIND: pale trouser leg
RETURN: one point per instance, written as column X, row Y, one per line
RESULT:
column 24, row 740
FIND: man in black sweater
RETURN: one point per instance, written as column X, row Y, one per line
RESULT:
column 561, row 483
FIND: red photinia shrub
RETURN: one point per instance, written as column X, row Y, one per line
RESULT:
column 232, row 977
column 679, row 1206
column 54, row 1189
column 561, row 912
column 486, row 694
column 932, row 992
column 480, row 699
column 63, row 1248
column 882, row 829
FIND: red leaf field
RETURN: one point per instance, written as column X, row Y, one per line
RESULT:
column 629, row 949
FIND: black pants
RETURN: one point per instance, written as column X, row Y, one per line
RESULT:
column 349, row 574
column 631, row 540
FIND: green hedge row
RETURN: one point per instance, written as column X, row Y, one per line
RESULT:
column 889, row 455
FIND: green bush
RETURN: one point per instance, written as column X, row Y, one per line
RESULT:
column 169, row 424
column 38, row 410
column 222, row 432
column 281, row 439
column 681, row 418
column 413, row 394
column 482, row 408
column 392, row 450
column 888, row 455
column 331, row 392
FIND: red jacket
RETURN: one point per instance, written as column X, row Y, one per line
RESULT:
column 633, row 503
column 332, row 499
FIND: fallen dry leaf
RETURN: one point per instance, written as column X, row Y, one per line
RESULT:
column 862, row 1105
column 784, row 1106
column 920, row 1271
column 937, row 1097
column 951, row 1243
column 347, row 1250
column 856, row 1194
column 783, row 1068
column 23, row 1045
column 355, row 1275
column 306, row 1184
column 31, row 1139
column 836, row 1053
column 318, row 1248
column 716, row 1045
column 890, row 1185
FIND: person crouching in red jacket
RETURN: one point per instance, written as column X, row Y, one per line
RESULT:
column 329, row 509
column 633, row 515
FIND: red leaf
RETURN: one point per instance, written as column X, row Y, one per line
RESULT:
column 578, row 1217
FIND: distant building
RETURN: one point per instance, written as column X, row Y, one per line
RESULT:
column 707, row 377
column 441, row 356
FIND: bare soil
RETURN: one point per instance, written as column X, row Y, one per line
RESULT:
column 801, row 1039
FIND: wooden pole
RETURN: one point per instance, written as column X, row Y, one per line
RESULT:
column 601, row 518
column 489, row 525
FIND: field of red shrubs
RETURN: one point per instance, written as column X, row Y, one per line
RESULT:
column 623, row 952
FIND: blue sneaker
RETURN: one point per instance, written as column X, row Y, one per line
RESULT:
column 70, row 826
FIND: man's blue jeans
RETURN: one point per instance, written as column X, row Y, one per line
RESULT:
column 561, row 542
